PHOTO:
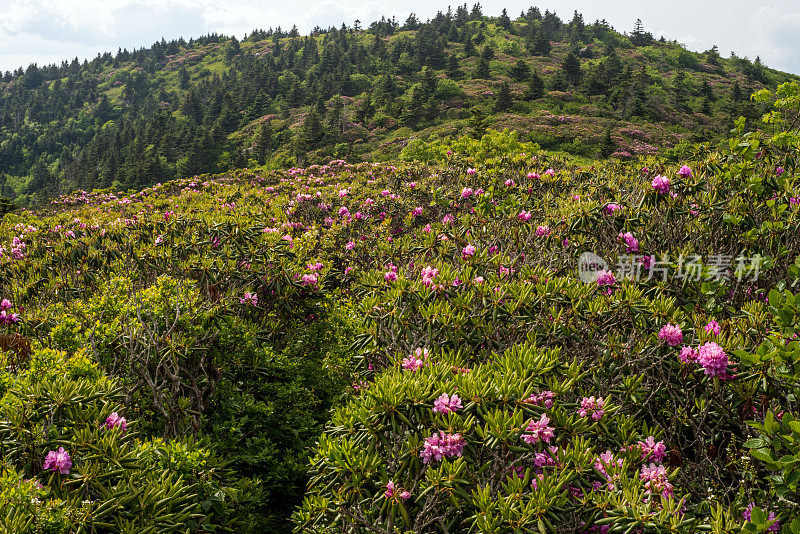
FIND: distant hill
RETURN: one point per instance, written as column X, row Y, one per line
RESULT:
column 277, row 98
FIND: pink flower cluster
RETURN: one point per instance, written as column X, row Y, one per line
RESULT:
column 249, row 298
column 447, row 403
column 116, row 421
column 661, row 184
column 712, row 328
column 468, row 251
column 428, row 275
column 391, row 491
column 611, row 208
column 656, row 480
column 58, row 461
column 6, row 316
column 538, row 431
column 543, row 230
column 713, row 359
column 545, row 398
column 309, row 279
column 671, row 335
column 416, row 361
column 631, row 243
column 590, row 405
column 685, row 172
column 652, row 449
column 442, row 445
column 606, row 278
column 524, row 216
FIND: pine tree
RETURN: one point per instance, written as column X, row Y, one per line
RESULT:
column 572, row 68
column 504, row 21
column 469, row 46
column 503, row 100
column 453, row 70
column 607, row 146
column 264, row 144
column 482, row 71
column 541, row 45
column 535, row 87
column 520, row 71
column 637, row 36
column 183, row 78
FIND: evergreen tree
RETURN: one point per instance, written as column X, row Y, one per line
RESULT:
column 504, row 21
column 265, row 142
column 453, row 70
column 520, row 71
column 607, row 146
column 482, row 70
column 183, row 78
column 535, row 87
column 503, row 100
column 572, row 68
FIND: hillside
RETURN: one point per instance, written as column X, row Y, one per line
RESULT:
column 276, row 99
column 360, row 348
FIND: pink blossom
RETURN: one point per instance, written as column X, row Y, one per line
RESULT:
column 115, row 421
column 467, row 192
column 549, row 172
column 524, row 215
column 652, row 449
column 688, row 355
column 631, row 243
column 416, row 212
column 685, row 172
column 590, row 405
column 661, row 184
column 442, row 445
column 656, row 480
column 350, row 245
column 606, row 278
column 509, row 183
column 545, row 398
column 712, row 327
column 611, row 209
column 471, row 171
column 478, row 280
column 747, row 514
column 533, row 175
column 58, row 461
column 538, row 431
column 447, row 404
column 309, row 279
column 713, row 359
column 469, row 250
column 543, row 230
column 249, row 298
column 671, row 334
column 390, row 276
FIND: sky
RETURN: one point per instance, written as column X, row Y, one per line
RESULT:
column 48, row 31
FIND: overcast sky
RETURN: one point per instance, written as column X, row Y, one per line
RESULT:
column 47, row 31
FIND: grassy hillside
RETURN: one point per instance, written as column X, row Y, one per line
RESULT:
column 364, row 347
column 277, row 98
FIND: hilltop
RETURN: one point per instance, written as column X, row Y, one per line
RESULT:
column 276, row 98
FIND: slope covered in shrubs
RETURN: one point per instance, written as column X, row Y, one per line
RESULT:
column 484, row 337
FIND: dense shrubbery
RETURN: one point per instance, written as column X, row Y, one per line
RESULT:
column 171, row 357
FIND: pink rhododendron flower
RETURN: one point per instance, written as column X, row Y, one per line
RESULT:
column 538, row 431
column 350, row 245
column 533, row 175
column 524, row 215
column 469, row 250
column 509, row 183
column 671, row 335
column 549, row 172
column 446, row 403
column 611, row 209
column 390, row 276
column 416, row 212
column 653, row 450
column 688, row 355
column 471, row 171
column 656, row 480
column 442, row 445
column 685, row 172
column 428, row 275
column 115, row 421
column 249, row 298
column 309, row 279
column 712, row 327
column 545, row 398
column 467, row 192
column 661, row 184
column 593, row 407
column 631, row 243
column 713, row 359
column 58, row 461
column 542, row 230
column 606, row 278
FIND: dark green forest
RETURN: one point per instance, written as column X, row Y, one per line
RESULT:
column 277, row 98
